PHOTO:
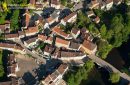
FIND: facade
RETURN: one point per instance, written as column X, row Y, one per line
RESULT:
column 88, row 47
column 30, row 41
column 12, row 66
column 109, row 4
column 12, row 47
column 5, row 28
column 11, row 36
column 55, row 4
column 58, row 31
column 94, row 4
column 75, row 32
column 56, row 77
column 61, row 42
column 71, row 18
column 31, row 31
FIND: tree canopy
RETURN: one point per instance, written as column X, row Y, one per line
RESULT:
column 1, row 65
column 114, row 77
column 75, row 78
column 15, row 20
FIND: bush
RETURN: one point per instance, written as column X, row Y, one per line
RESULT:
column 114, row 77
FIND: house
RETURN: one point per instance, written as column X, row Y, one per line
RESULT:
column 75, row 32
column 57, row 30
column 39, row 6
column 77, row 6
column 32, row 2
column 31, row 31
column 11, row 36
column 102, row 5
column 30, row 41
column 55, row 15
column 5, row 28
column 88, row 47
column 85, row 35
column 117, row 2
column 21, row 34
column 56, row 53
column 75, row 1
column 56, row 77
column 42, row 37
column 26, row 19
column 109, row 4
column 94, row 4
column 55, row 4
column 96, row 19
column 44, row 3
column 90, row 13
column 49, row 40
column 71, row 55
column 49, row 49
column 12, row 47
column 74, row 45
column 61, row 42
column 12, row 66
column 71, row 18
column 49, row 21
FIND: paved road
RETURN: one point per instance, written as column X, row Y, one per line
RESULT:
column 108, row 66
column 39, row 59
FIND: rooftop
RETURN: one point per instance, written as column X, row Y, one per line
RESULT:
column 69, row 16
column 89, row 45
column 62, row 41
column 59, row 32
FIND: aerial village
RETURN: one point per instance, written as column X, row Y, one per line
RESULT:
column 43, row 39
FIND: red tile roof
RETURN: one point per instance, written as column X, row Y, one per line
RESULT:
column 11, row 35
column 42, row 37
column 61, row 69
column 31, row 30
column 61, row 41
column 32, row 2
column 75, row 30
column 89, row 45
column 59, row 32
column 56, row 2
column 69, row 16
column 50, row 19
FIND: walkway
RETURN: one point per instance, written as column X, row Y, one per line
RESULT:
column 108, row 66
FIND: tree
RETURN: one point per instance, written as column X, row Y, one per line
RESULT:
column 103, row 31
column 82, row 20
column 103, row 48
column 14, row 20
column 2, row 17
column 63, row 2
column 114, row 77
column 1, row 65
column 75, row 78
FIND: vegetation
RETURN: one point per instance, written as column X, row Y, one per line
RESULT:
column 82, row 20
column 2, row 17
column 15, row 20
column 114, row 77
column 114, row 29
column 16, row 1
column 63, row 2
column 75, row 78
column 4, row 6
column 1, row 66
